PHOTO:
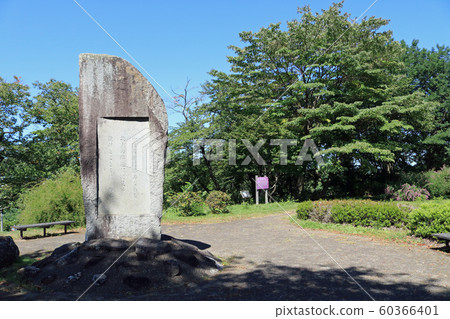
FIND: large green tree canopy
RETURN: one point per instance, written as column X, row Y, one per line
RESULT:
column 376, row 109
column 342, row 83
column 38, row 136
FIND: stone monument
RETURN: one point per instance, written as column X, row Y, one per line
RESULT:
column 123, row 139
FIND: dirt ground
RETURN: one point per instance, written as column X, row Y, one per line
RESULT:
column 270, row 258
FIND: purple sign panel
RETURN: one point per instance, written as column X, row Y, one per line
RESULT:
column 262, row 182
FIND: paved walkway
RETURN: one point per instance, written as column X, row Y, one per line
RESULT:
column 270, row 258
column 39, row 246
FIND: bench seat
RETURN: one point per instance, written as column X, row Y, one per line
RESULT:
column 23, row 228
column 443, row 236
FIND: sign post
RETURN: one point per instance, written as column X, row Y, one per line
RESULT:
column 261, row 183
column 1, row 218
column 256, row 191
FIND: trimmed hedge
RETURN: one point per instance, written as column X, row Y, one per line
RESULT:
column 422, row 219
column 369, row 213
column 429, row 218
column 304, row 209
column 354, row 212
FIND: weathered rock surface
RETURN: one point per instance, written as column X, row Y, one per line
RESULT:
column 108, row 244
column 137, row 282
column 8, row 251
column 148, row 266
column 114, row 98
column 99, row 279
column 172, row 268
column 28, row 271
column 146, row 248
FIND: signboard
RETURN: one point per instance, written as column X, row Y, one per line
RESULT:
column 262, row 182
column 245, row 194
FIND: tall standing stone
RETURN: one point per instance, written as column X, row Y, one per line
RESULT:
column 123, row 138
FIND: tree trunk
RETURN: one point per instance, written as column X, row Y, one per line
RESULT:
column 210, row 170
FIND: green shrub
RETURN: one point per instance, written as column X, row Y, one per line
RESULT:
column 369, row 213
column 429, row 218
column 198, row 208
column 355, row 212
column 407, row 193
column 438, row 182
column 188, row 203
column 217, row 202
column 55, row 199
column 10, row 218
column 319, row 211
column 304, row 209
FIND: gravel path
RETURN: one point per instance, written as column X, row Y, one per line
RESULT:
column 271, row 258
column 40, row 246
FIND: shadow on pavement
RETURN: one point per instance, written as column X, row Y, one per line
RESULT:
column 274, row 282
column 199, row 244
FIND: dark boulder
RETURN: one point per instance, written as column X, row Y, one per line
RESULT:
column 147, row 248
column 28, row 271
column 186, row 256
column 137, row 282
column 172, row 268
column 8, row 251
column 109, row 244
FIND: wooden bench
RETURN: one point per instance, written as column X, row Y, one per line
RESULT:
column 23, row 228
column 443, row 236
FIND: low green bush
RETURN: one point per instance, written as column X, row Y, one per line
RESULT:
column 369, row 213
column 407, row 193
column 304, row 209
column 55, row 199
column 10, row 218
column 438, row 182
column 429, row 218
column 188, row 203
column 217, row 202
column 354, row 212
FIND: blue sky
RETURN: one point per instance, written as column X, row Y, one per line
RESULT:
column 173, row 40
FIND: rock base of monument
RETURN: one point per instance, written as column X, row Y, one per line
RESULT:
column 113, row 269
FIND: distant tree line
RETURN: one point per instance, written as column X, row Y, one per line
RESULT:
column 376, row 108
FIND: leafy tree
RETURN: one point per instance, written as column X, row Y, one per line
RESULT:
column 14, row 100
column 339, row 82
column 38, row 137
column 429, row 72
column 180, row 168
column 55, row 113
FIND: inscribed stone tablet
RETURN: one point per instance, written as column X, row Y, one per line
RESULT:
column 124, row 179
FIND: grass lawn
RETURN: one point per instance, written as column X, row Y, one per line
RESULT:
column 400, row 235
column 244, row 211
column 241, row 211
column 392, row 234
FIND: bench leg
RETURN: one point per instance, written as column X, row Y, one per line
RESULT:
column 44, row 231
column 446, row 244
column 21, row 234
column 65, row 229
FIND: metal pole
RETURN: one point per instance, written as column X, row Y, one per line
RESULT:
column 266, row 195
column 1, row 218
column 256, row 190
